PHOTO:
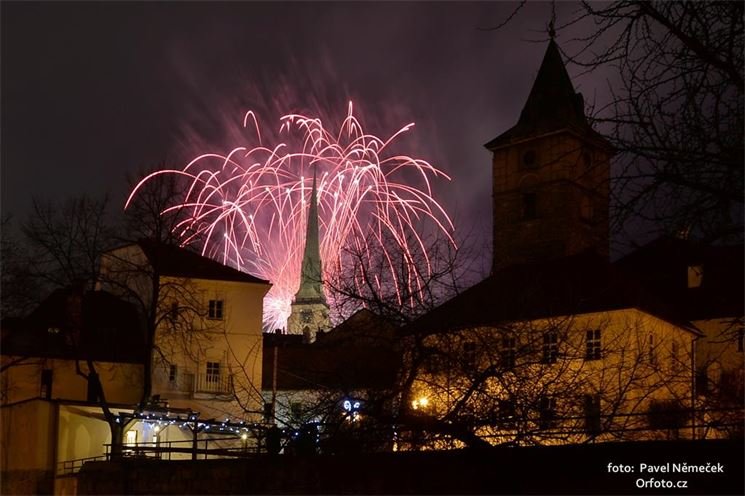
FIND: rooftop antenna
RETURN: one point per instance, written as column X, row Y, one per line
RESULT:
column 552, row 23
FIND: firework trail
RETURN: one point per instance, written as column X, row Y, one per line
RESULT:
column 248, row 208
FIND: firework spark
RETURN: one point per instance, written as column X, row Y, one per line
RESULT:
column 249, row 207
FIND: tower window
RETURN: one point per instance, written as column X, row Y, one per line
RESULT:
column 529, row 159
column 586, row 209
column 530, row 206
column 215, row 310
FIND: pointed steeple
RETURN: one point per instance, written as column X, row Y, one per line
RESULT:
column 311, row 285
column 552, row 104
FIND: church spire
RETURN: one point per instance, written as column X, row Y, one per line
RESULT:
column 311, row 285
column 309, row 309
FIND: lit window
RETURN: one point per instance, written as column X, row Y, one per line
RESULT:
column 216, row 309
column 593, row 350
column 508, row 352
column 131, row 438
column 550, row 347
column 213, row 372
column 695, row 276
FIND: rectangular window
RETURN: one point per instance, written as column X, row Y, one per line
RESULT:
column 652, row 352
column 469, row 355
column 506, row 410
column 550, row 347
column 131, row 439
column 676, row 363
column 172, row 373
column 593, row 350
column 216, row 309
column 530, row 206
column 213, row 372
column 547, row 412
column 296, row 409
column 46, row 384
column 592, row 414
column 508, row 352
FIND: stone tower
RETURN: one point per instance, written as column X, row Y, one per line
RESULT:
column 310, row 312
column 550, row 175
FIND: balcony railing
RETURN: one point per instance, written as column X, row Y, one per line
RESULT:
column 212, row 383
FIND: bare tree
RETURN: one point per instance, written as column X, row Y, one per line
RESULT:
column 399, row 284
column 546, row 382
column 20, row 290
column 65, row 240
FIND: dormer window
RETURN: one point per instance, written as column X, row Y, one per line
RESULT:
column 695, row 276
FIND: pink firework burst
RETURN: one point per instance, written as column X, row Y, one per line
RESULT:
column 249, row 207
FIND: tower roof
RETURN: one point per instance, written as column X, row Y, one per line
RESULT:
column 310, row 275
column 552, row 105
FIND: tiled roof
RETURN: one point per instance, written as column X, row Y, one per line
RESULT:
column 358, row 354
column 573, row 285
column 551, row 106
column 663, row 265
column 175, row 261
column 72, row 324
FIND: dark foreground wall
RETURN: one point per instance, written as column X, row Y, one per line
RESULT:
column 540, row 470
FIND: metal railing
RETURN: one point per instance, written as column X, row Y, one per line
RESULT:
column 215, row 384
column 71, row 467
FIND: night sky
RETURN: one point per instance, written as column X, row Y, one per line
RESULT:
column 91, row 91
